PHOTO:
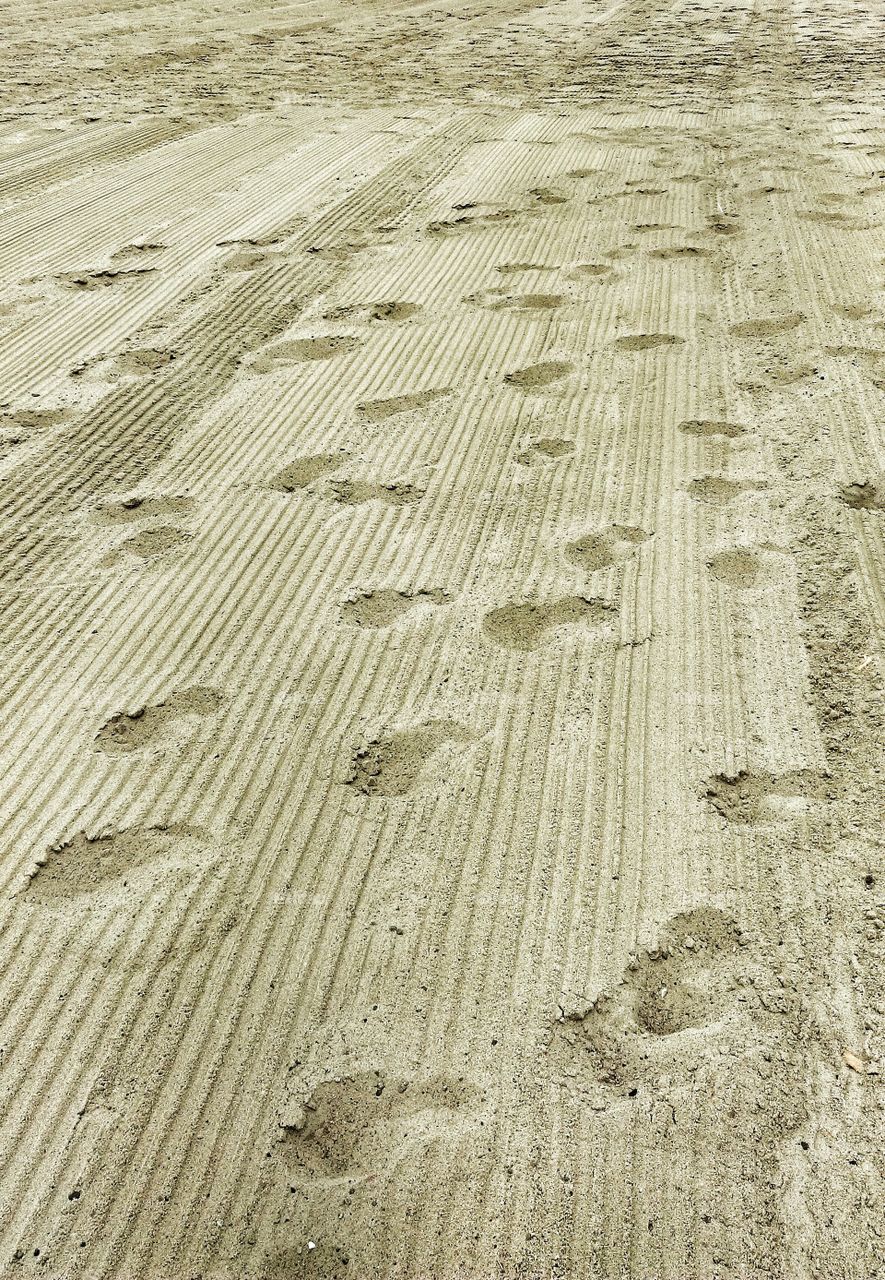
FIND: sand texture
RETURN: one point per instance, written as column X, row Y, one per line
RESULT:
column 442, row 513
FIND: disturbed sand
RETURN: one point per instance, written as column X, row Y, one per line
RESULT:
column 443, row 599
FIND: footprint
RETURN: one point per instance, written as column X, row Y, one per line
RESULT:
column 610, row 546
column 379, row 410
column 853, row 311
column 546, row 195
column 249, row 260
column 786, row 376
column 514, row 268
column 596, row 272
column 21, row 422
column 767, row 327
column 523, row 626
column 149, row 544
column 143, row 361
column 717, row 490
column 102, row 279
column 128, row 510
column 545, row 449
column 694, row 981
column 17, row 427
column 304, row 471
column 723, row 226
column 535, row 377
column 88, row 865
column 646, row 341
column 736, row 568
column 745, row 798
column 137, row 249
column 353, row 492
column 526, row 302
column 390, row 766
column 712, row 427
column 393, row 310
column 866, row 496
column 679, row 252
column 124, row 733
column 304, row 349
column 381, row 608
column 357, row 1128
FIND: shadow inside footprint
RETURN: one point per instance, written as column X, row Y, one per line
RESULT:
column 359, row 1127
column 383, row 607
column 523, row 626
column 391, row 765
column 610, row 546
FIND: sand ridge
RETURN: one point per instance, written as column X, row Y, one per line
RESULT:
column 441, row 544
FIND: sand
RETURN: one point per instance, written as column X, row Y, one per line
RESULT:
column 443, row 599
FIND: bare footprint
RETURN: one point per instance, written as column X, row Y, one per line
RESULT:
column 85, row 280
column 866, row 496
column 712, row 427
column 607, row 547
column 595, row 272
column 516, row 268
column 391, row 766
column 745, row 798
column 124, row 733
column 646, row 341
column 352, row 492
column 138, row 249
column 738, row 568
column 357, row 1128
column 23, row 422
column 545, row 449
column 694, row 981
column 97, row 865
column 679, row 253
column 380, row 410
column 524, row 626
column 146, row 360
column 767, row 327
column 526, row 302
column 393, row 310
column 304, row 471
column 535, row 377
column 305, row 349
column 130, row 510
column 717, row 490
column 383, row 607
column 149, row 544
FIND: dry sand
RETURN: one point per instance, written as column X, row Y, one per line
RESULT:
column 443, row 595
